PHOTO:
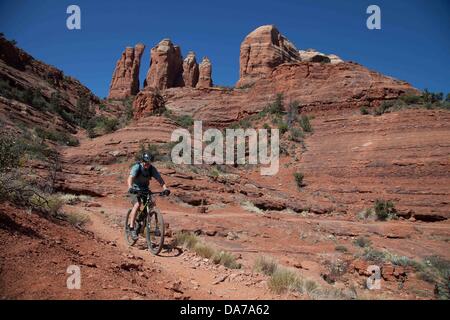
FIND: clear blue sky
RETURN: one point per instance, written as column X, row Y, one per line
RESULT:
column 413, row 44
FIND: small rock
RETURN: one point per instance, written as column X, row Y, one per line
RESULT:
column 221, row 279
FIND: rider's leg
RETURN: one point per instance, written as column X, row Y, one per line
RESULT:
column 133, row 214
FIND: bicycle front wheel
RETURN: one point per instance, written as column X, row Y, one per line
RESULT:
column 155, row 231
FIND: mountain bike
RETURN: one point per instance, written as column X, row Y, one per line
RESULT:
column 149, row 223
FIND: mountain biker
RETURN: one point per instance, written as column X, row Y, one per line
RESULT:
column 138, row 185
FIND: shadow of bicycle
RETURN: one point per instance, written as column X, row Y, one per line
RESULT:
column 168, row 250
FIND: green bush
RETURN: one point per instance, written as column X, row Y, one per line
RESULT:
column 277, row 107
column 282, row 126
column 362, row 242
column 364, row 110
column 298, row 176
column 101, row 125
column 341, row 248
column 296, row 135
column 292, row 112
column 411, row 99
column 10, row 153
column 57, row 136
column 384, row 210
column 305, row 124
column 383, row 108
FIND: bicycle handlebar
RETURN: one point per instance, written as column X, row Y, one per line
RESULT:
column 160, row 193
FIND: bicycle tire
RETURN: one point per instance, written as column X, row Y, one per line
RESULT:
column 155, row 245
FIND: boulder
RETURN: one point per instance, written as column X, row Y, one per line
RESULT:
column 147, row 102
column 311, row 55
column 125, row 79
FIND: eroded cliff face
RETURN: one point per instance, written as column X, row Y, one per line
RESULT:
column 125, row 79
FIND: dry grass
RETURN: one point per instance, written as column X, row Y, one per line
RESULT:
column 265, row 265
column 75, row 218
column 192, row 242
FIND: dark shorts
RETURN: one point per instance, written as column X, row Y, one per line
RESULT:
column 137, row 198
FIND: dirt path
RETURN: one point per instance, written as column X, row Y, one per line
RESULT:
column 196, row 278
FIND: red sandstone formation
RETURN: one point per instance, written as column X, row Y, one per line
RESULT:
column 261, row 51
column 205, row 79
column 125, row 80
column 166, row 66
column 190, row 70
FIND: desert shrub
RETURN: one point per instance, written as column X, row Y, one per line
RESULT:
column 364, row 110
column 265, row 265
column 266, row 126
column 283, row 280
column 305, row 124
column 296, row 134
column 10, row 153
column 298, row 176
column 439, row 274
column 184, row 121
column 50, row 204
column 57, row 136
column 383, row 108
column 276, row 107
column 292, row 112
column 203, row 250
column 186, row 239
column 341, row 248
column 101, row 125
column 373, row 255
column 385, row 210
column 226, row 259
column 411, row 99
column 362, row 242
column 282, row 126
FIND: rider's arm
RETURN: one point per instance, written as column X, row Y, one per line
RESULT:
column 157, row 176
column 130, row 181
column 133, row 173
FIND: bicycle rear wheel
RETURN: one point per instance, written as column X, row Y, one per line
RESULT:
column 155, row 231
column 128, row 237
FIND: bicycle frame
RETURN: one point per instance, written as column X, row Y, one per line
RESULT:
column 145, row 209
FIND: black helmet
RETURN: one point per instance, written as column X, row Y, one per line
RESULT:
column 147, row 157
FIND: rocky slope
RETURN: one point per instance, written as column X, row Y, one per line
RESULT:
column 26, row 80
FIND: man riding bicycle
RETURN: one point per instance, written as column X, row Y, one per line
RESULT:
column 138, row 186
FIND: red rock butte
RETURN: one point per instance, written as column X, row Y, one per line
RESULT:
column 269, row 64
